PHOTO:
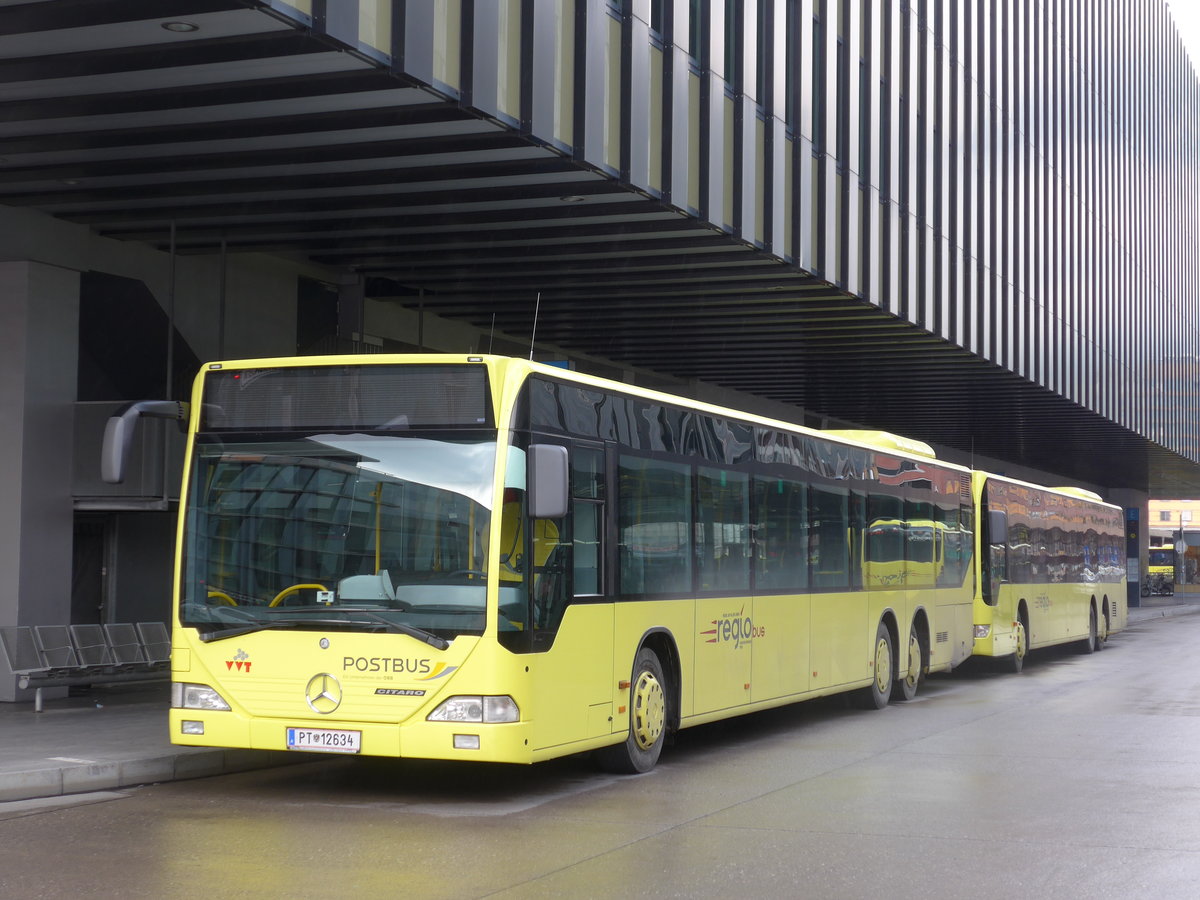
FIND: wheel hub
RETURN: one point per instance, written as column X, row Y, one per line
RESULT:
column 649, row 710
column 883, row 665
column 913, row 675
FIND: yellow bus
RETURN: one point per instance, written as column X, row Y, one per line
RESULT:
column 1051, row 568
column 1160, row 569
column 483, row 558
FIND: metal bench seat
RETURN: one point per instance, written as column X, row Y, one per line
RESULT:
column 64, row 655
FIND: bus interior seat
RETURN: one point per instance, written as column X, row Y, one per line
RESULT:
column 375, row 588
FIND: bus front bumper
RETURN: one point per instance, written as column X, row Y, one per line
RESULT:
column 423, row 740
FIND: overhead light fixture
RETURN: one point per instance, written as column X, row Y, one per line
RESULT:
column 181, row 27
column 571, row 198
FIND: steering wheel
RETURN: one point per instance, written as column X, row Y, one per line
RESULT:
column 288, row 591
column 466, row 572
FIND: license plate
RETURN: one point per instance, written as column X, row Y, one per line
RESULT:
column 326, row 740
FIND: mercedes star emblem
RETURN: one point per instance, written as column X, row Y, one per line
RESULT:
column 324, row 693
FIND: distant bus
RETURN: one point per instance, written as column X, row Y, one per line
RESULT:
column 1160, row 571
column 482, row 558
column 1051, row 568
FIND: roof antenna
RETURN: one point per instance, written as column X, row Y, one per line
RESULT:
column 533, row 336
column 491, row 334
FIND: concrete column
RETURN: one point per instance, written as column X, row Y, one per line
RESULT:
column 39, row 343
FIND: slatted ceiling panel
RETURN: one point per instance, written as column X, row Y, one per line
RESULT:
column 265, row 131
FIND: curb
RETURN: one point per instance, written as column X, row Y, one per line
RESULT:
column 107, row 776
column 1142, row 613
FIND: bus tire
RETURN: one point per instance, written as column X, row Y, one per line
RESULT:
column 912, row 668
column 1102, row 631
column 1022, row 649
column 877, row 694
column 647, row 720
column 1088, row 644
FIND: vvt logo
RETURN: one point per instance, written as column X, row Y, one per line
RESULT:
column 241, row 659
column 732, row 627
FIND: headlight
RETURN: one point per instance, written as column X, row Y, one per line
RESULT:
column 476, row 709
column 982, row 631
column 196, row 696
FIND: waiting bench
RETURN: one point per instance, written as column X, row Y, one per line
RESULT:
column 43, row 656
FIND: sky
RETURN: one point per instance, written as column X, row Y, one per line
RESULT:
column 1187, row 17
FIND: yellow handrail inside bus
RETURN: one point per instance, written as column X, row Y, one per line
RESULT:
column 377, row 495
column 288, row 591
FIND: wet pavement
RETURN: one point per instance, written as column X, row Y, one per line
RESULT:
column 116, row 736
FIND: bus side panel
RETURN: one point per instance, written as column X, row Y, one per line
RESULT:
column 572, row 686
column 1059, row 613
column 1118, row 605
column 1003, row 617
column 675, row 619
column 951, row 621
column 843, row 639
column 781, row 650
column 724, row 632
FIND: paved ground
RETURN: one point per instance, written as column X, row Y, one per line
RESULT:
column 117, row 737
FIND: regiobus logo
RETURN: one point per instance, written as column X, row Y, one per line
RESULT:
column 733, row 627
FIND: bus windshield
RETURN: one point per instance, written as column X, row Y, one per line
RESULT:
column 359, row 531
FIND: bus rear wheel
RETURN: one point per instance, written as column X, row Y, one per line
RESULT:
column 1088, row 644
column 879, row 691
column 912, row 670
column 647, row 720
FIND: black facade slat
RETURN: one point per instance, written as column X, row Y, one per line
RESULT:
column 62, row 14
column 146, row 61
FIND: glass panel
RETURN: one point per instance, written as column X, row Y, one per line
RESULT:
column 587, row 521
column 339, row 523
column 782, row 538
column 829, row 549
column 885, row 542
column 654, row 524
column 587, row 474
column 587, row 531
column 920, row 550
column 722, row 530
column 372, row 398
column 952, row 542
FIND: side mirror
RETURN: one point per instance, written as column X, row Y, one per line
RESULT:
column 548, row 481
column 118, row 433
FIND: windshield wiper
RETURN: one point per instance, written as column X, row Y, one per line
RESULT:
column 373, row 618
column 420, row 634
column 221, row 634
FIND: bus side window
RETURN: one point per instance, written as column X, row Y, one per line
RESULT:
column 654, row 527
column 722, row 529
column 829, row 548
column 587, row 520
column 781, row 534
column 569, row 553
column 997, row 553
column 550, row 572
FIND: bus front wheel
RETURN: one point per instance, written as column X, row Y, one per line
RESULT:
column 647, row 720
